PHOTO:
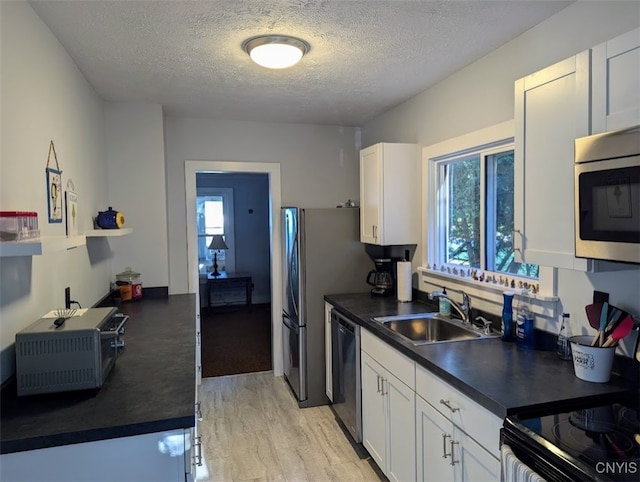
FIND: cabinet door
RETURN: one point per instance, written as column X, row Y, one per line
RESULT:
column 615, row 83
column 401, row 429
column 327, row 351
column 153, row 457
column 373, row 411
column 551, row 110
column 370, row 193
column 433, row 443
column 471, row 462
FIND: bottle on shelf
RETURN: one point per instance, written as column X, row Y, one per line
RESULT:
column 444, row 308
column 507, row 316
column 563, row 347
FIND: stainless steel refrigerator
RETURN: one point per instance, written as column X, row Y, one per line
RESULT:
column 322, row 255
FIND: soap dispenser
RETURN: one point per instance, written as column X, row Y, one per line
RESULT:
column 444, row 308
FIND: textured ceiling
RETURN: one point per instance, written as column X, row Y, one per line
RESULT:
column 366, row 56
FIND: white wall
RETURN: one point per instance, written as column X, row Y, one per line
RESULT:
column 44, row 98
column 319, row 167
column 482, row 95
column 137, row 187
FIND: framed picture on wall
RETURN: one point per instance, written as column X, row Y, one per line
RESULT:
column 71, row 212
column 54, row 195
column 54, row 188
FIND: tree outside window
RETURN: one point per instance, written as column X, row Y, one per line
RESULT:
column 476, row 212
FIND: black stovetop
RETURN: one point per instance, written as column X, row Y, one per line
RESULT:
column 602, row 442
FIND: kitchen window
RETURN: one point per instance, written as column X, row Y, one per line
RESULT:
column 475, row 211
column 469, row 217
column 214, row 208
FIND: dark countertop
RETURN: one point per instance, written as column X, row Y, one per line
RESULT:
column 500, row 376
column 150, row 389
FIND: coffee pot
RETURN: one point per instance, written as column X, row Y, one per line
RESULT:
column 381, row 278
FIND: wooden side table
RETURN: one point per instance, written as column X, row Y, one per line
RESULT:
column 229, row 280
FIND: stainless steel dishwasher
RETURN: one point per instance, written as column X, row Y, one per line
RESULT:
column 347, row 393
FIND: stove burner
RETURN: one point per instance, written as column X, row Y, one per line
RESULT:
column 598, row 433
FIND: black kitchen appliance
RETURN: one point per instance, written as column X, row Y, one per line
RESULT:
column 347, row 390
column 599, row 443
column 382, row 278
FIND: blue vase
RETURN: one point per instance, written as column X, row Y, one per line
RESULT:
column 507, row 316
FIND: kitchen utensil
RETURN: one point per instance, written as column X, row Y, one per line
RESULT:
column 620, row 331
column 593, row 314
column 598, row 340
column 616, row 315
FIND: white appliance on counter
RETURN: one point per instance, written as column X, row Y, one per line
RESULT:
column 323, row 255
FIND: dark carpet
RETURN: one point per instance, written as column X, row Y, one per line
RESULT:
column 236, row 340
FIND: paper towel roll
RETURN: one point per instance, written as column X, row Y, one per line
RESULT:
column 404, row 280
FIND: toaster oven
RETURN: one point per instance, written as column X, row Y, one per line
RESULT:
column 75, row 355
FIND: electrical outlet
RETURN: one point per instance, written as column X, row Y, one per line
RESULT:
column 600, row 297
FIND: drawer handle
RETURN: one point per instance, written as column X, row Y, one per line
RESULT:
column 198, row 444
column 444, row 445
column 453, row 461
column 378, row 376
column 447, row 404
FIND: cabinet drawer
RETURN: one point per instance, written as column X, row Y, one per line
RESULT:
column 395, row 362
column 472, row 418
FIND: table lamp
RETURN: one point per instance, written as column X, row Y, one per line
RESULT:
column 217, row 243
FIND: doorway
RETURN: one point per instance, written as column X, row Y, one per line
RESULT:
column 192, row 168
column 235, row 294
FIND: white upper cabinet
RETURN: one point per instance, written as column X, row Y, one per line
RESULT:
column 389, row 186
column 616, row 83
column 551, row 111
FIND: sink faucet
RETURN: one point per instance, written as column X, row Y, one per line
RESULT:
column 464, row 309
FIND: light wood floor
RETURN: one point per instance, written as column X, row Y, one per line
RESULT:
column 252, row 429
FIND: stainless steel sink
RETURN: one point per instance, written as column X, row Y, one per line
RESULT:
column 425, row 328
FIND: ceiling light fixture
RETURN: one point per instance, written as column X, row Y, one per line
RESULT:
column 275, row 51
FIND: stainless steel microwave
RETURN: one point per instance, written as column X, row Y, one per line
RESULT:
column 607, row 196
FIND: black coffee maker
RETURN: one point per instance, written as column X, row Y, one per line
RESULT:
column 382, row 278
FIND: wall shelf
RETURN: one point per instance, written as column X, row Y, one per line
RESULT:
column 107, row 233
column 43, row 245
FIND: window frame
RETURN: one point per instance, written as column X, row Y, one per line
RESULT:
column 496, row 138
column 229, row 228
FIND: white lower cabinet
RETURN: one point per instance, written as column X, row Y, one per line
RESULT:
column 433, row 439
column 388, row 410
column 153, row 457
column 415, row 426
column 458, row 440
column 444, row 452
